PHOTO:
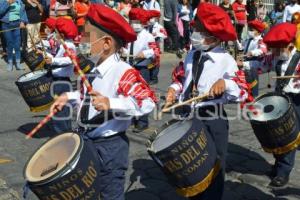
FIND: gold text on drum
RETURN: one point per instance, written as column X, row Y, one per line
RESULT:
column 285, row 127
column 74, row 191
column 188, row 151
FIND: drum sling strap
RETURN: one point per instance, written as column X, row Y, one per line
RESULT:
column 191, row 90
column 281, row 83
column 84, row 112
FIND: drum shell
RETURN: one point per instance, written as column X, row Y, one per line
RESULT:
column 37, row 93
column 275, row 136
column 80, row 183
column 34, row 61
column 85, row 64
column 190, row 160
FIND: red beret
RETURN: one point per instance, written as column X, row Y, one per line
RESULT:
column 142, row 15
column 280, row 35
column 111, row 22
column 216, row 21
column 257, row 25
column 66, row 27
column 51, row 23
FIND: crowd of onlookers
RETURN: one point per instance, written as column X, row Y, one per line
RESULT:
column 177, row 16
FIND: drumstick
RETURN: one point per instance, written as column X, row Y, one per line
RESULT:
column 76, row 65
column 185, row 102
column 285, row 77
column 83, row 78
column 40, row 125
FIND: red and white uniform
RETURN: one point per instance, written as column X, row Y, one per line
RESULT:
column 127, row 91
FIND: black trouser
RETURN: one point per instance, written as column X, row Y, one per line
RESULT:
column 173, row 34
column 284, row 163
column 218, row 128
column 113, row 153
column 62, row 121
column 186, row 34
column 239, row 30
column 3, row 41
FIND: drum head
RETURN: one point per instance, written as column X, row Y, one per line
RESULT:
column 52, row 157
column 170, row 135
column 32, row 76
column 270, row 108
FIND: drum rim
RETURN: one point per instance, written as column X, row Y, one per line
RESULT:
column 29, row 73
column 157, row 131
column 63, row 170
column 270, row 94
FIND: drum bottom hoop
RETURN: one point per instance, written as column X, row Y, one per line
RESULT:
column 284, row 149
column 202, row 185
column 41, row 108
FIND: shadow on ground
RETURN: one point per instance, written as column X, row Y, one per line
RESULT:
column 242, row 160
column 44, row 132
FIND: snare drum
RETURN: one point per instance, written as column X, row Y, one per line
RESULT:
column 65, row 167
column 33, row 60
column 35, row 89
column 187, row 155
column 275, row 124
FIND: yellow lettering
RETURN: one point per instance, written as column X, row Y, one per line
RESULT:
column 65, row 196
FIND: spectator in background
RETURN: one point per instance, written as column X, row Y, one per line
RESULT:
column 150, row 5
column 251, row 8
column 186, row 15
column 290, row 10
column 61, row 8
column 261, row 11
column 277, row 13
column 81, row 8
column 228, row 8
column 34, row 11
column 170, row 13
column 3, row 44
column 97, row 1
column 240, row 14
column 123, row 8
column 111, row 3
column 13, row 16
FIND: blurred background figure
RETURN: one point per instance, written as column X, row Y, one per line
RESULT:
column 150, row 5
column 34, row 11
column 185, row 13
column 123, row 8
column 81, row 8
column 289, row 10
column 13, row 17
column 277, row 14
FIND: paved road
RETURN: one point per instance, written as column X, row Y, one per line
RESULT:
column 247, row 164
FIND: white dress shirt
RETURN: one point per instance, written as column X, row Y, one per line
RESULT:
column 61, row 60
column 254, row 46
column 220, row 65
column 151, row 5
column 294, row 84
column 289, row 11
column 106, row 82
column 141, row 45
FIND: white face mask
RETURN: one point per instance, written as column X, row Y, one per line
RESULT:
column 86, row 47
column 198, row 40
column 251, row 34
column 137, row 27
column 283, row 56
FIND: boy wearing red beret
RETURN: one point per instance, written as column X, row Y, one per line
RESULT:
column 285, row 61
column 119, row 93
column 255, row 49
column 209, row 69
column 60, row 65
column 139, row 54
